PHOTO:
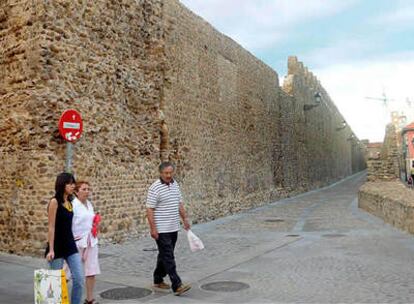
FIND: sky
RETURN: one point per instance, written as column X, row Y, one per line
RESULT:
column 356, row 48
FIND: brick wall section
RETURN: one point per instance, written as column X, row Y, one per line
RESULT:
column 153, row 81
column 392, row 201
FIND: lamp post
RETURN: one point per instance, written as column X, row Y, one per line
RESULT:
column 343, row 126
column 351, row 137
column 317, row 101
column 318, row 98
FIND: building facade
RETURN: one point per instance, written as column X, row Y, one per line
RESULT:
column 408, row 149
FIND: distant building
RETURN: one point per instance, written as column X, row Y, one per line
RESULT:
column 408, row 148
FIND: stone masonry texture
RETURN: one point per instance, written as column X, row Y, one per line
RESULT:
column 153, row 81
column 387, row 167
column 384, row 195
column 390, row 200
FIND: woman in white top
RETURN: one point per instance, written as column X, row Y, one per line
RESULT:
column 83, row 218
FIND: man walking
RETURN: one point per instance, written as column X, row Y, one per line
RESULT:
column 164, row 208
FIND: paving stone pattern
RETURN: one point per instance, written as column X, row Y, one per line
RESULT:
column 340, row 254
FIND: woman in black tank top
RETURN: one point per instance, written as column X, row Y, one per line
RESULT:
column 61, row 244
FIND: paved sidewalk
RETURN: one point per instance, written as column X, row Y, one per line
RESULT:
column 314, row 248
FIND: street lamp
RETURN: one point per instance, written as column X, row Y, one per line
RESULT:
column 318, row 98
column 350, row 137
column 317, row 101
column 343, row 126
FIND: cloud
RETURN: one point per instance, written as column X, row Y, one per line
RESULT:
column 341, row 51
column 259, row 24
column 354, row 47
column 400, row 18
column 395, row 19
column 350, row 84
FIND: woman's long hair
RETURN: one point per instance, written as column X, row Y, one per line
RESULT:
column 62, row 180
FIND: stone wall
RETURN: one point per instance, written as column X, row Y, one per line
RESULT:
column 373, row 151
column 326, row 151
column 103, row 58
column 387, row 167
column 384, row 195
column 220, row 108
column 153, row 81
column 239, row 139
column 390, row 200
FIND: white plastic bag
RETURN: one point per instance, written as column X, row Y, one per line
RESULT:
column 194, row 241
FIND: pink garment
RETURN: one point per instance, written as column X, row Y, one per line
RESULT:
column 90, row 260
column 89, row 256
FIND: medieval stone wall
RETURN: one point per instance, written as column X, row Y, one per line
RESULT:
column 238, row 138
column 325, row 152
column 389, row 200
column 220, row 109
column 103, row 58
column 153, row 81
column 387, row 167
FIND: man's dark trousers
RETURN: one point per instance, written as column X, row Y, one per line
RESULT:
column 165, row 261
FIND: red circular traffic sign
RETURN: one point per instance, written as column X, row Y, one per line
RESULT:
column 70, row 125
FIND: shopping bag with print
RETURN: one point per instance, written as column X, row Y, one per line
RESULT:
column 195, row 243
column 50, row 287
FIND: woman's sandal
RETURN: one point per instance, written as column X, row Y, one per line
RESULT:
column 90, row 302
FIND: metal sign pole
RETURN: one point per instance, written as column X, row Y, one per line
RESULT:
column 69, row 157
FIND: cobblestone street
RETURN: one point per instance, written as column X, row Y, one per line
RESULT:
column 314, row 248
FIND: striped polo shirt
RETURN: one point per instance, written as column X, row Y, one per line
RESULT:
column 165, row 200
